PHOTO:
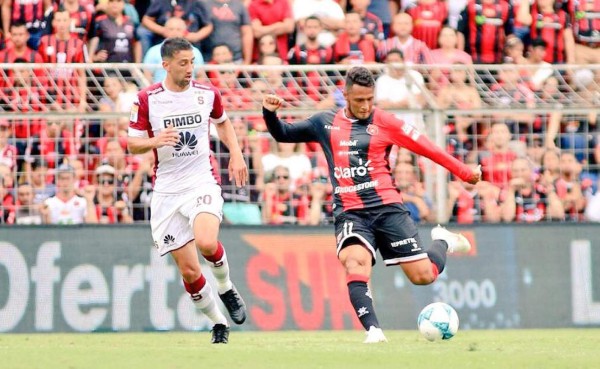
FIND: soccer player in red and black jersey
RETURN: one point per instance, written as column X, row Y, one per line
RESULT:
column 66, row 86
column 368, row 209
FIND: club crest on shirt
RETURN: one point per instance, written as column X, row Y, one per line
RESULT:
column 372, row 129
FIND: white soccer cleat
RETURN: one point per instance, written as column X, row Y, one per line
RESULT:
column 375, row 335
column 456, row 241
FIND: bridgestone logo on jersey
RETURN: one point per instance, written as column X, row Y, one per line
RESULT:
column 356, row 188
column 183, row 120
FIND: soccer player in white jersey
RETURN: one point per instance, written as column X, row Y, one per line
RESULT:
column 172, row 119
column 65, row 207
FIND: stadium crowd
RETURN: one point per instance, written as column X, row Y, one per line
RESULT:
column 539, row 164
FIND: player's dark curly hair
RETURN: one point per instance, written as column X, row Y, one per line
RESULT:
column 359, row 76
column 174, row 45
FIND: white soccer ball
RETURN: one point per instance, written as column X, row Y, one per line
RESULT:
column 438, row 321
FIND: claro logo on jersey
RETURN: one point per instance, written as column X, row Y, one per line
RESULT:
column 183, row 121
column 360, row 170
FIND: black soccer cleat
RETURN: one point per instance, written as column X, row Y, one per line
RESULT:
column 235, row 305
column 220, row 333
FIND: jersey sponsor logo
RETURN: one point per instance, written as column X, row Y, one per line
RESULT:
column 348, row 143
column 356, row 188
column 186, row 140
column 411, row 131
column 156, row 90
column 333, row 128
column 186, row 120
column 361, row 170
column 347, row 153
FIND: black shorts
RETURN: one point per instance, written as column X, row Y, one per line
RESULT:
column 387, row 228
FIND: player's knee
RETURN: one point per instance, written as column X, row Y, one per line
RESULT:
column 354, row 264
column 190, row 273
column 206, row 246
column 421, row 277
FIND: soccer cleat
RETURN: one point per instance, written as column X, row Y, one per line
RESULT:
column 375, row 335
column 235, row 305
column 456, row 241
column 220, row 333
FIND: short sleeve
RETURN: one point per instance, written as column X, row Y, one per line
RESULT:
column 139, row 124
column 218, row 114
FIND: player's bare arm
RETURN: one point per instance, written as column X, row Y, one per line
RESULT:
column 167, row 137
column 238, row 171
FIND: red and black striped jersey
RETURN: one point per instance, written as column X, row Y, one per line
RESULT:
column 428, row 20
column 550, row 27
column 357, row 153
column 82, row 21
column 30, row 12
column 586, row 22
column 485, row 27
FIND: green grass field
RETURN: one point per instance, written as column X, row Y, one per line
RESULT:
column 489, row 349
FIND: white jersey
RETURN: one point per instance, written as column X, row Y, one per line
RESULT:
column 188, row 164
column 72, row 211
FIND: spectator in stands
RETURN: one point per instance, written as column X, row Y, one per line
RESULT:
column 26, row 211
column 54, row 143
column 111, row 131
column 8, row 152
column 384, row 10
column 30, row 13
column 18, row 48
column 321, row 198
column 528, row 200
column 66, row 207
column 512, row 92
column 399, row 88
column 312, row 52
column 25, row 95
column 174, row 27
column 534, row 69
column 461, row 94
column 497, row 161
column 351, row 46
column 67, row 88
column 446, row 55
column 110, row 203
column 372, row 27
column 328, row 11
column 484, row 25
column 140, row 189
column 37, row 175
column 469, row 203
column 7, row 202
column 429, row 16
column 408, row 182
column 553, row 25
column 274, row 18
column 281, row 205
column 130, row 10
column 82, row 17
column 414, row 51
column 266, row 46
column 241, row 202
column 568, row 187
column 117, row 99
column 114, row 39
column 116, row 158
column 81, row 176
column 193, row 12
column 232, row 27
column 280, row 81
column 585, row 28
column 289, row 155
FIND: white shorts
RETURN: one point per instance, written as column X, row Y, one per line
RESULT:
column 172, row 219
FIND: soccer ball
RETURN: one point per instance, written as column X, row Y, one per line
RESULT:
column 438, row 321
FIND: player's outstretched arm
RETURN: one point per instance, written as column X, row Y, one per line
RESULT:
column 167, row 137
column 303, row 131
